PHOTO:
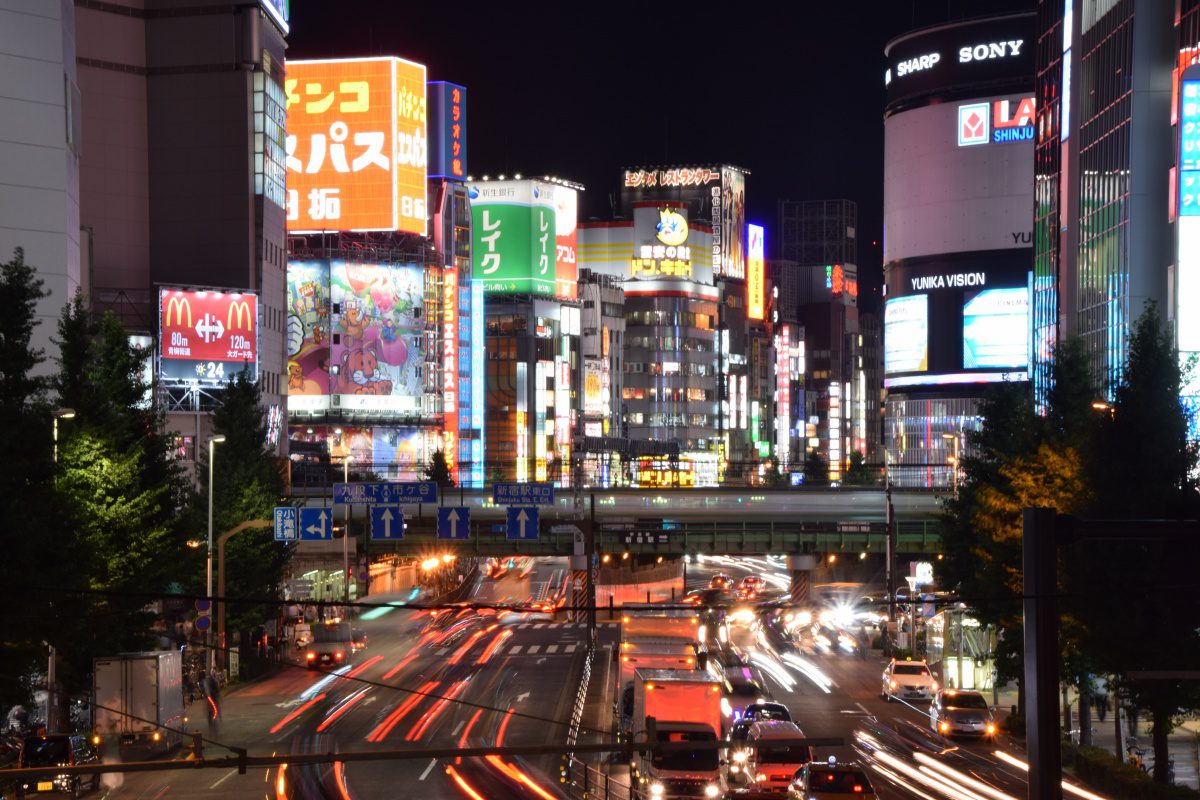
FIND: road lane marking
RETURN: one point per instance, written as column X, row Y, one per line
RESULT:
column 534, row 649
column 570, row 648
column 458, row 727
column 552, row 648
column 514, row 650
column 224, row 778
column 864, row 709
column 432, row 762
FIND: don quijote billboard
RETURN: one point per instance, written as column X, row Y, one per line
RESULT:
column 206, row 336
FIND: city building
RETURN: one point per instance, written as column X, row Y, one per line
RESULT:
column 39, row 180
column 1106, row 178
column 523, row 251
column 817, row 279
column 603, row 448
column 668, row 383
column 958, row 188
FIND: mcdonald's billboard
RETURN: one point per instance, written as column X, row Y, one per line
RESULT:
column 206, row 336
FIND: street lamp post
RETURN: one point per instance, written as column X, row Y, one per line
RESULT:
column 213, row 441
column 346, row 533
column 51, row 676
column 954, row 458
column 62, row 413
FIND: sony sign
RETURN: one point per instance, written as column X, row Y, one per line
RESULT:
column 985, row 52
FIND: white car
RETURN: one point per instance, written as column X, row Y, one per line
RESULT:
column 908, row 680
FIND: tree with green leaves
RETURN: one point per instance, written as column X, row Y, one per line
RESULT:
column 39, row 544
column 1133, row 596
column 816, row 469
column 122, row 486
column 774, row 476
column 438, row 470
column 858, row 473
column 248, row 484
column 1017, row 458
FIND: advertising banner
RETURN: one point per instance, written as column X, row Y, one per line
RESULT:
column 356, row 145
column 514, row 236
column 906, row 334
column 447, row 131
column 308, row 335
column 375, row 363
column 593, row 386
column 566, row 218
column 996, row 329
column 733, row 225
column 206, row 336
column 450, row 387
column 756, row 279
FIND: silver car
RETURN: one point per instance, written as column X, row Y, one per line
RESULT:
column 956, row 712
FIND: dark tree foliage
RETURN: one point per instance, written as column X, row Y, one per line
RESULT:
column 1134, row 596
column 816, row 469
column 858, row 473
column 248, row 484
column 438, row 470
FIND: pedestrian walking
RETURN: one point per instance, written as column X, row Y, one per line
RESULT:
column 1102, row 706
column 212, row 698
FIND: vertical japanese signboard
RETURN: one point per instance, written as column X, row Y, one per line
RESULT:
column 356, row 145
column 450, row 369
column 448, row 131
column 206, row 336
column 783, row 394
column 1187, row 279
column 756, row 278
column 733, row 224
column 514, row 236
column 566, row 214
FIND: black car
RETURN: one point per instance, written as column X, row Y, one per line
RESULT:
column 756, row 712
column 53, row 751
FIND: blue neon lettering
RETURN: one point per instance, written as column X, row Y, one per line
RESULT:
column 1012, row 134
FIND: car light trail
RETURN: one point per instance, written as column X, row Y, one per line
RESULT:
column 1070, row 787
column 928, row 778
column 517, row 776
column 322, row 684
column 339, row 777
column 462, row 784
column 342, row 709
column 809, row 670
column 491, row 649
column 431, row 715
column 462, row 740
column 354, row 673
column 385, row 727
column 503, row 728
column 404, row 662
column 279, row 726
column 949, row 773
column 281, row 784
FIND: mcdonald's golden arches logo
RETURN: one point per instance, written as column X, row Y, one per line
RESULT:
column 180, row 306
column 239, row 310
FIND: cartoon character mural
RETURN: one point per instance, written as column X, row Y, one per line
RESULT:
column 376, row 321
column 308, row 328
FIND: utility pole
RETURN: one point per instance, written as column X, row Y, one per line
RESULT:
column 890, row 568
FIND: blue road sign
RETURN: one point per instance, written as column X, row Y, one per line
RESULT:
column 385, row 493
column 454, row 522
column 387, row 523
column 522, row 523
column 203, row 606
column 316, row 524
column 203, row 623
column 538, row 494
column 285, row 524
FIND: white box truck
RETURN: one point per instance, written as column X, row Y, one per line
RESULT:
column 660, row 624
column 686, row 708
column 138, row 702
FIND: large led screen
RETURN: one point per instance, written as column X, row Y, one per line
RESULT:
column 996, row 329
column 906, row 334
column 206, row 336
column 353, row 336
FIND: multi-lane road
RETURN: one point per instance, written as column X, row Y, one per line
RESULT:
column 462, row 678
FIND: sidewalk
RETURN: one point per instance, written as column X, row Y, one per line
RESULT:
column 1183, row 742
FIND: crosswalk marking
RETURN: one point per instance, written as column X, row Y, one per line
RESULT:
column 533, row 648
column 514, row 650
column 570, row 648
column 551, row 649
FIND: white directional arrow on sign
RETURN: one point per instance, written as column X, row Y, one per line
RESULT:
column 386, row 516
column 522, row 518
column 209, row 328
column 453, row 517
column 318, row 529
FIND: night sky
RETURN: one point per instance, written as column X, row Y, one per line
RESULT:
column 794, row 94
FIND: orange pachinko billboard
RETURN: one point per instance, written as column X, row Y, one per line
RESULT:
column 206, row 336
column 356, row 145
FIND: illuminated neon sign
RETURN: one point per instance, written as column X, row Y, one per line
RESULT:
column 997, row 122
